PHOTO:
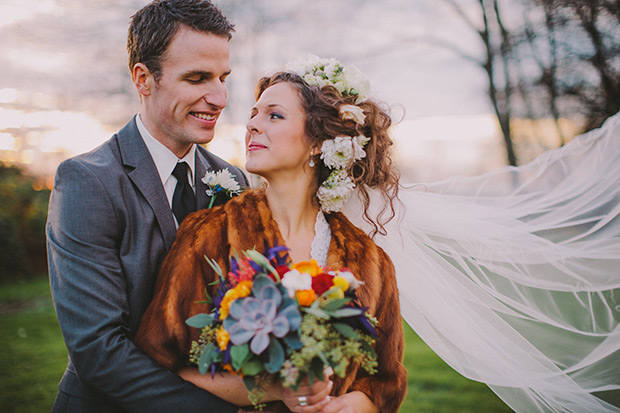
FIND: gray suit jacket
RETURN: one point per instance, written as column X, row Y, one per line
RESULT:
column 109, row 227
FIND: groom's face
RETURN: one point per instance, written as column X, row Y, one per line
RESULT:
column 183, row 106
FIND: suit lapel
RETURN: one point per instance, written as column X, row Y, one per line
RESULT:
column 143, row 173
column 202, row 166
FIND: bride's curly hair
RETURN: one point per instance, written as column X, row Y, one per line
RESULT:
column 323, row 122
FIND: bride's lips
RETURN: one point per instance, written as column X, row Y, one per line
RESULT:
column 206, row 118
column 253, row 146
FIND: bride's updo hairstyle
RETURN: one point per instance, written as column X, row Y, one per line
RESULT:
column 324, row 107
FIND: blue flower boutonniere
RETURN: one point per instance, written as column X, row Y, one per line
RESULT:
column 219, row 182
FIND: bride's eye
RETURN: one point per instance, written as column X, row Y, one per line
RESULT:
column 275, row 115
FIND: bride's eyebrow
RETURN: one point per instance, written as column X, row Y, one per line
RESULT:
column 268, row 107
column 275, row 105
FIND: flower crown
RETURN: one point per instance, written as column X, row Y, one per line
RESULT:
column 315, row 71
column 341, row 152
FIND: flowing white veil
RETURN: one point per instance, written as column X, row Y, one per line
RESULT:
column 513, row 277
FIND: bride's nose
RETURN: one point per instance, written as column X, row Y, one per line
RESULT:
column 252, row 126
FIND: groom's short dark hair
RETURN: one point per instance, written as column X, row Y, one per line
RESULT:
column 153, row 27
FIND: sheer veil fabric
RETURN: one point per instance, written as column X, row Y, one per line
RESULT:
column 513, row 277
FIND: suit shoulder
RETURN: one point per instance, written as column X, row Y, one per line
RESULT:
column 99, row 160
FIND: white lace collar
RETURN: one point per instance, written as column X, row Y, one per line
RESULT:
column 322, row 238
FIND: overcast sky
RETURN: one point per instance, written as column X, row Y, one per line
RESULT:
column 75, row 49
column 69, row 56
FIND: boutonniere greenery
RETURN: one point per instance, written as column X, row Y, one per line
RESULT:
column 221, row 182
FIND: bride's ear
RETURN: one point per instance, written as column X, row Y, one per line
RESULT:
column 316, row 150
column 142, row 79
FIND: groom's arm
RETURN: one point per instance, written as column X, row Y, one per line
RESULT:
column 90, row 295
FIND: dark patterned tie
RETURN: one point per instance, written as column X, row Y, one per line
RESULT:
column 183, row 199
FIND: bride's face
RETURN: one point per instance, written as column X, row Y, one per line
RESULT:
column 275, row 141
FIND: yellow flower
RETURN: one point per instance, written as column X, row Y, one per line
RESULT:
column 337, row 293
column 305, row 297
column 243, row 289
column 222, row 338
column 308, row 267
column 341, row 282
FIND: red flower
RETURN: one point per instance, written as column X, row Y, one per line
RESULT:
column 322, row 283
column 281, row 270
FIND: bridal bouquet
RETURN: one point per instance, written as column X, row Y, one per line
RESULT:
column 271, row 320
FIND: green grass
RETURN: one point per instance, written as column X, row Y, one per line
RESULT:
column 33, row 355
column 433, row 386
column 33, row 358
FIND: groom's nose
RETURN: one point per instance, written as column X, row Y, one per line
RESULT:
column 216, row 95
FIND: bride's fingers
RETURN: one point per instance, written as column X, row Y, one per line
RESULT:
column 321, row 393
column 305, row 407
column 308, row 400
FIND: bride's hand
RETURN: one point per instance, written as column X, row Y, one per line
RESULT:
column 354, row 402
column 307, row 399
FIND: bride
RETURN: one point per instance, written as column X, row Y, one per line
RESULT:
column 311, row 145
column 512, row 277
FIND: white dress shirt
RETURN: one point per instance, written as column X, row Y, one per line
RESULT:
column 165, row 161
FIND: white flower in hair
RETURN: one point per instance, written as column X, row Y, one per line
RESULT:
column 341, row 152
column 358, row 147
column 359, row 84
column 335, row 191
column 337, row 153
column 352, row 112
column 349, row 80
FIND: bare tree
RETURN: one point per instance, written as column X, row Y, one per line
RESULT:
column 495, row 63
column 577, row 55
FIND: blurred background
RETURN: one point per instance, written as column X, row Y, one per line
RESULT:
column 472, row 85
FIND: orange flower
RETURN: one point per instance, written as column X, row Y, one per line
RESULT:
column 309, row 267
column 222, row 338
column 305, row 297
column 228, row 367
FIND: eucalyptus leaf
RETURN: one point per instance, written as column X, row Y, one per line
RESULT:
column 346, row 330
column 368, row 348
column 293, row 341
column 335, row 304
column 325, row 362
column 311, row 377
column 249, row 382
column 252, row 367
column 238, row 355
column 316, row 367
column 316, row 312
column 199, row 320
column 345, row 312
column 276, row 356
column 206, row 358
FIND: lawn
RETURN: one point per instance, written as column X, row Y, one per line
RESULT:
column 34, row 358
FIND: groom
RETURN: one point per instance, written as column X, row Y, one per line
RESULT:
column 114, row 212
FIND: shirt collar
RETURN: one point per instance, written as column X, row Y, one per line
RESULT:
column 165, row 160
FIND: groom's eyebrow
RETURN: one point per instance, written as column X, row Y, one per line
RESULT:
column 202, row 73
